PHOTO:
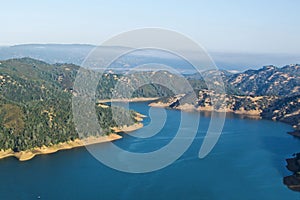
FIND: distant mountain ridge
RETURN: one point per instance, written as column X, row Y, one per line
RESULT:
column 50, row 53
column 76, row 53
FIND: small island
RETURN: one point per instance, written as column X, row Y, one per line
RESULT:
column 293, row 165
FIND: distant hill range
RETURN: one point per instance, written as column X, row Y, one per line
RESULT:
column 50, row 53
column 76, row 53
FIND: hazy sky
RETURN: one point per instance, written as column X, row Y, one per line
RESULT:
column 258, row 26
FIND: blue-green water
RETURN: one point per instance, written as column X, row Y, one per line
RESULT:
column 248, row 162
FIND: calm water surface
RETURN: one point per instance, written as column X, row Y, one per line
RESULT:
column 247, row 163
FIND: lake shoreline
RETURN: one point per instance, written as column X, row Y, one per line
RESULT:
column 29, row 154
column 190, row 108
column 252, row 114
column 125, row 100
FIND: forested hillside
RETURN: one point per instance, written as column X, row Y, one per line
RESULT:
column 35, row 105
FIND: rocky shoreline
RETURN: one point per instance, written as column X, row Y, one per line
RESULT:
column 293, row 165
column 295, row 133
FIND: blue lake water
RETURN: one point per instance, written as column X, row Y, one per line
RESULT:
column 248, row 162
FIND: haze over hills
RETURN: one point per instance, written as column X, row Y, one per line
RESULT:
column 76, row 53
